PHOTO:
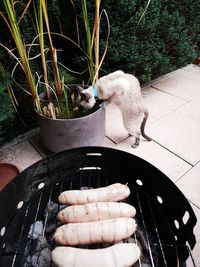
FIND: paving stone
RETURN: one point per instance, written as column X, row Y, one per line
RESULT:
column 114, row 125
column 189, row 184
column 179, row 134
column 37, row 143
column 185, row 84
column 192, row 71
column 191, row 110
column 107, row 143
column 160, row 103
column 44, row 152
column 167, row 75
column 20, row 138
column 22, row 155
column 161, row 158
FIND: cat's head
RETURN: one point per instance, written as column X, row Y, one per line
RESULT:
column 85, row 99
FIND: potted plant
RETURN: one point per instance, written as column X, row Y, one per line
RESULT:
column 61, row 124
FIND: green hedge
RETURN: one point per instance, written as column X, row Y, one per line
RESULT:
column 167, row 38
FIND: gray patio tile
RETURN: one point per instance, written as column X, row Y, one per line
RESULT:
column 191, row 110
column 185, row 84
column 170, row 74
column 189, row 184
column 37, row 143
column 179, row 134
column 114, row 125
column 160, row 103
column 22, row 155
column 158, row 156
column 107, row 143
column 192, row 71
column 195, row 251
column 43, row 151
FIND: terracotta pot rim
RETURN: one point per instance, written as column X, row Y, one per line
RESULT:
column 8, row 172
column 10, row 165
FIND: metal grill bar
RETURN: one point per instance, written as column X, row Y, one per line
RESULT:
column 35, row 219
column 45, row 221
column 157, row 233
column 136, row 242
column 20, row 236
column 145, row 230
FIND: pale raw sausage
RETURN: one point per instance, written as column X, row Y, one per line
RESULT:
column 119, row 255
column 104, row 231
column 95, row 212
column 113, row 192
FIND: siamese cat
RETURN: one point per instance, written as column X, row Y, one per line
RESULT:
column 123, row 90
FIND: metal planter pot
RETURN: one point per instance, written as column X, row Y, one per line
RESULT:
column 62, row 134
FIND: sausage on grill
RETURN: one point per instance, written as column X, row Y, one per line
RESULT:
column 113, row 192
column 95, row 212
column 119, row 255
column 104, row 231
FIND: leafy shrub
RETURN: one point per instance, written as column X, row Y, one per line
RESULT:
column 6, row 111
column 166, row 39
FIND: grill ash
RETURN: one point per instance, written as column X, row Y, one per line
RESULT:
column 40, row 242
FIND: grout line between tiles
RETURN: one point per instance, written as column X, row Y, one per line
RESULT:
column 172, row 152
column 168, row 93
column 198, row 207
column 116, row 143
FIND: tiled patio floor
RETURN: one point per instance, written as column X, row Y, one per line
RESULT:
column 174, row 125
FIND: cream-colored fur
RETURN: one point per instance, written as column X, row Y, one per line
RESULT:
column 124, row 90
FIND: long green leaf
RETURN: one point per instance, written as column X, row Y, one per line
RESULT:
column 53, row 50
column 89, row 40
column 40, row 31
column 12, row 24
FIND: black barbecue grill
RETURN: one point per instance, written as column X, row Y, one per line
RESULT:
column 28, row 207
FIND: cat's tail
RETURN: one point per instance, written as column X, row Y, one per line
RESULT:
column 146, row 115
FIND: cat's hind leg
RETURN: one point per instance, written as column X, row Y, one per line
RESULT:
column 132, row 125
column 136, row 141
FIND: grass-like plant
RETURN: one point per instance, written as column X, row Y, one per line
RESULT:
column 55, row 90
column 59, row 100
column 93, row 57
column 23, row 60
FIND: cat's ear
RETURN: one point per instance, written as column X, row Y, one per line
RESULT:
column 76, row 93
column 85, row 96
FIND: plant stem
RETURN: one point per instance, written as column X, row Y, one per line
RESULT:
column 89, row 40
column 96, row 39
